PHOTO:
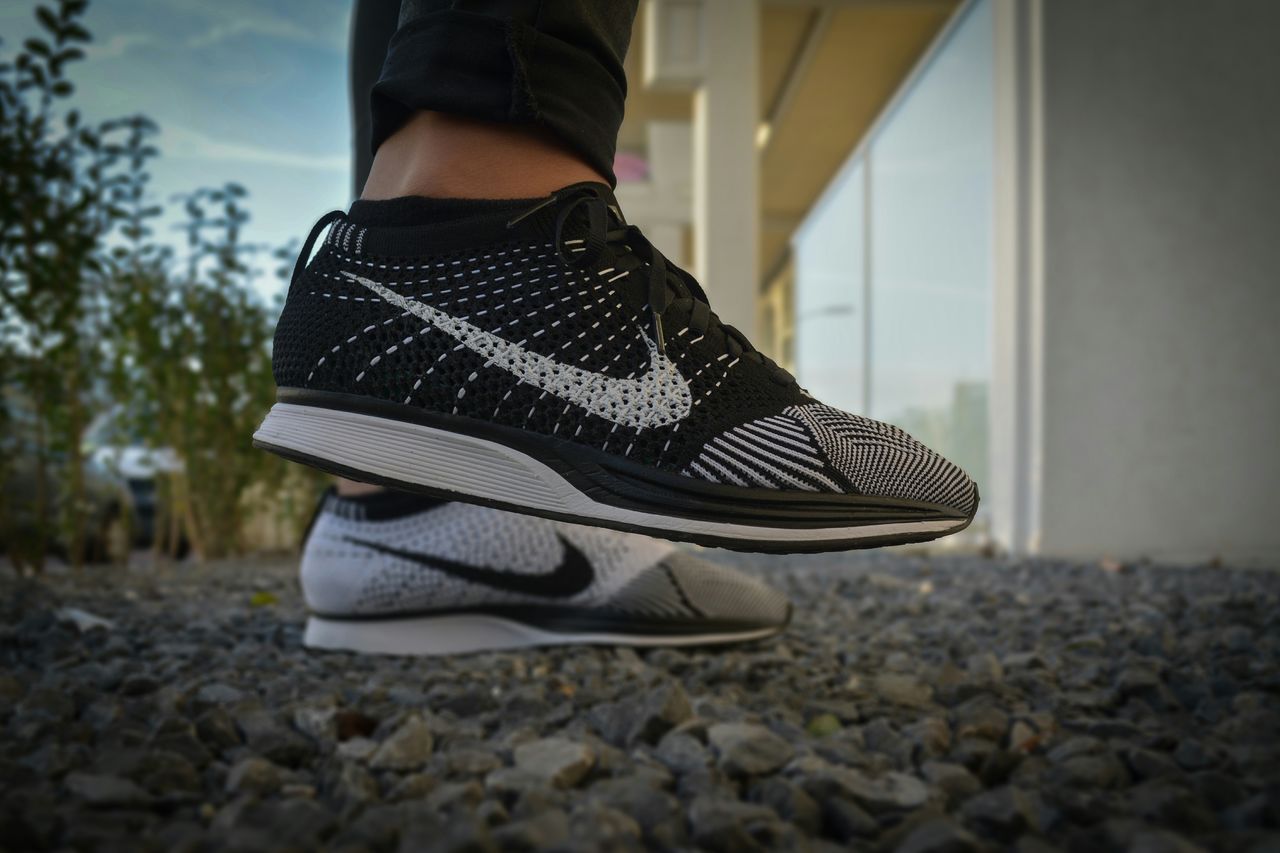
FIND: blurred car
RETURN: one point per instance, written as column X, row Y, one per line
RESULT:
column 115, row 447
column 108, row 502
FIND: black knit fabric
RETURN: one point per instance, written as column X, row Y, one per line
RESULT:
column 466, row 262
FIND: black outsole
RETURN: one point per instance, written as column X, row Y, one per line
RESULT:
column 614, row 481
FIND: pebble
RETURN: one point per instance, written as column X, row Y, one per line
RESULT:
column 254, row 775
column 408, row 748
column 747, row 749
column 1003, row 812
column 99, row 790
column 892, row 791
column 939, row 835
column 555, row 761
column 903, row 690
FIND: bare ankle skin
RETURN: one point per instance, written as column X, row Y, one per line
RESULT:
column 352, row 489
column 447, row 156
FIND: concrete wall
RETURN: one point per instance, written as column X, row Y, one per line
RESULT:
column 1161, row 279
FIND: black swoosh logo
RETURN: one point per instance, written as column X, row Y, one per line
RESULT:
column 570, row 577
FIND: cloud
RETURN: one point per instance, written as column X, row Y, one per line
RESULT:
column 118, row 45
column 254, row 23
column 185, row 143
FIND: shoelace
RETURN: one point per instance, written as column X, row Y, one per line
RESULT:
column 670, row 289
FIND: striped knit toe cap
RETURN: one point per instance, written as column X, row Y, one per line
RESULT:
column 818, row 448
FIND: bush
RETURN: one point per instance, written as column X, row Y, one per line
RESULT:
column 95, row 314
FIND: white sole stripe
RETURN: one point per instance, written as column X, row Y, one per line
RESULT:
column 415, row 454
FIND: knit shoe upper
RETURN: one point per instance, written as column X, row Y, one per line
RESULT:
column 555, row 318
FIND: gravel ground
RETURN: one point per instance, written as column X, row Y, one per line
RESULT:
column 916, row 704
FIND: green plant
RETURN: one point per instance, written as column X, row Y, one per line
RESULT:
column 95, row 314
column 59, row 180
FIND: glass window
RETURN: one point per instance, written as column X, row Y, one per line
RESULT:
column 830, row 262
column 931, row 226
column 894, row 265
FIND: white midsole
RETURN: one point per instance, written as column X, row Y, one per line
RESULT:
column 462, row 633
column 423, row 455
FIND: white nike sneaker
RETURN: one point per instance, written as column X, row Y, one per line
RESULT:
column 400, row 573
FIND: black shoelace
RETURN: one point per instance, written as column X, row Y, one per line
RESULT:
column 671, row 290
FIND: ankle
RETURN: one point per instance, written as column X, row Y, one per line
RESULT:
column 445, row 156
column 352, row 489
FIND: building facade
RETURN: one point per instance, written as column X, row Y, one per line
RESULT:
column 1039, row 234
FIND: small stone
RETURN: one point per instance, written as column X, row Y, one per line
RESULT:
column 628, row 722
column 981, row 720
column 1164, row 802
column 83, row 620
column 932, row 735
column 218, row 693
column 891, row 791
column 253, row 775
column 953, row 780
column 1192, row 755
column 728, row 825
column 1023, row 737
column 903, row 690
column 596, row 826
column 939, row 835
column 106, row 791
column 1073, row 747
column 1003, row 812
column 544, row 831
column 139, row 685
column 471, row 761
column 790, row 802
column 661, row 710
column 357, row 749
column 823, row 725
column 1149, row 764
column 746, row 749
column 846, row 821
column 217, row 730
column 444, row 797
column 269, row 737
column 985, row 668
column 46, row 704
column 350, row 724
column 1237, row 639
column 412, row 786
column 682, row 753
column 899, row 662
column 408, row 748
column 1091, row 771
column 557, row 761
column 164, row 772
column 316, row 723
column 648, row 806
column 1163, row 841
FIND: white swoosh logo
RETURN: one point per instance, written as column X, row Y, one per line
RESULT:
column 660, row 397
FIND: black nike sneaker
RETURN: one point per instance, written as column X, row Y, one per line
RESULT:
column 542, row 356
column 399, row 573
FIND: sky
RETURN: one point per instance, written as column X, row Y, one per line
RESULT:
column 243, row 90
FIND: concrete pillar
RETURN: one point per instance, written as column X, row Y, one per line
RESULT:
column 1134, row 404
column 726, row 174
column 1014, row 483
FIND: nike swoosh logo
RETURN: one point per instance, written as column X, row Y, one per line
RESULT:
column 570, row 577
column 660, row 397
